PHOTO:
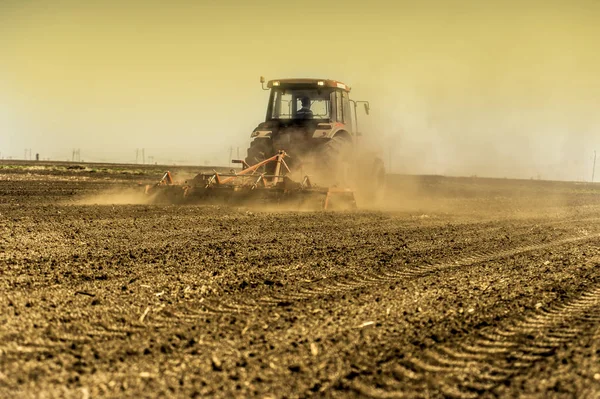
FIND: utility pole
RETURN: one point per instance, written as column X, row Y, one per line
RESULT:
column 230, row 155
column 594, row 167
column 144, row 156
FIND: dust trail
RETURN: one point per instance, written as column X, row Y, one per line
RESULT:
column 130, row 195
column 484, row 197
column 117, row 196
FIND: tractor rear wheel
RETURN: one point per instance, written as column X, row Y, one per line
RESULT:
column 334, row 160
column 259, row 150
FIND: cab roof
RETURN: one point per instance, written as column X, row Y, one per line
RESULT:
column 308, row 82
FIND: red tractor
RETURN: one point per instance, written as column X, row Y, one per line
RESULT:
column 315, row 122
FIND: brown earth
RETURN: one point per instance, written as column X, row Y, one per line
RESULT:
column 454, row 288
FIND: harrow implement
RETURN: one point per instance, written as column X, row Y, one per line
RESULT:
column 252, row 186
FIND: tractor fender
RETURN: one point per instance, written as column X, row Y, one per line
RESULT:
column 328, row 130
column 265, row 130
column 261, row 134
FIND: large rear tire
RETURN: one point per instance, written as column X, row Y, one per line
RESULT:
column 259, row 150
column 333, row 157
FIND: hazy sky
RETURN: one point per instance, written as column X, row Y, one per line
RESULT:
column 488, row 88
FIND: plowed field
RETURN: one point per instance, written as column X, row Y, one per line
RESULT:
column 458, row 288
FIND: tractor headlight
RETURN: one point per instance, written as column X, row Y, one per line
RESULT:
column 254, row 134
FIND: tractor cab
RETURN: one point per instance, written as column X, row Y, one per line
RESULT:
column 312, row 108
column 309, row 101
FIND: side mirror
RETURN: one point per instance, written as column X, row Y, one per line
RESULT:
column 367, row 108
column 262, row 83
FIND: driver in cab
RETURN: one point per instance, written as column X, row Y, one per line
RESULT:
column 304, row 112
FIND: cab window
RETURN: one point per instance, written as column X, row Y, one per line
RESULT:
column 339, row 112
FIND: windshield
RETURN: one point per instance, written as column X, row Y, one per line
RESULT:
column 300, row 104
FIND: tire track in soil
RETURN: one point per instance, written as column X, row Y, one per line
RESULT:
column 330, row 359
column 340, row 370
column 573, row 370
column 58, row 340
column 467, row 368
column 421, row 246
column 326, row 288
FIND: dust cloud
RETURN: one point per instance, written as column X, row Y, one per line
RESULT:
column 117, row 196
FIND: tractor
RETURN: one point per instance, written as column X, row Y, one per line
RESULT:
column 315, row 122
column 305, row 154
